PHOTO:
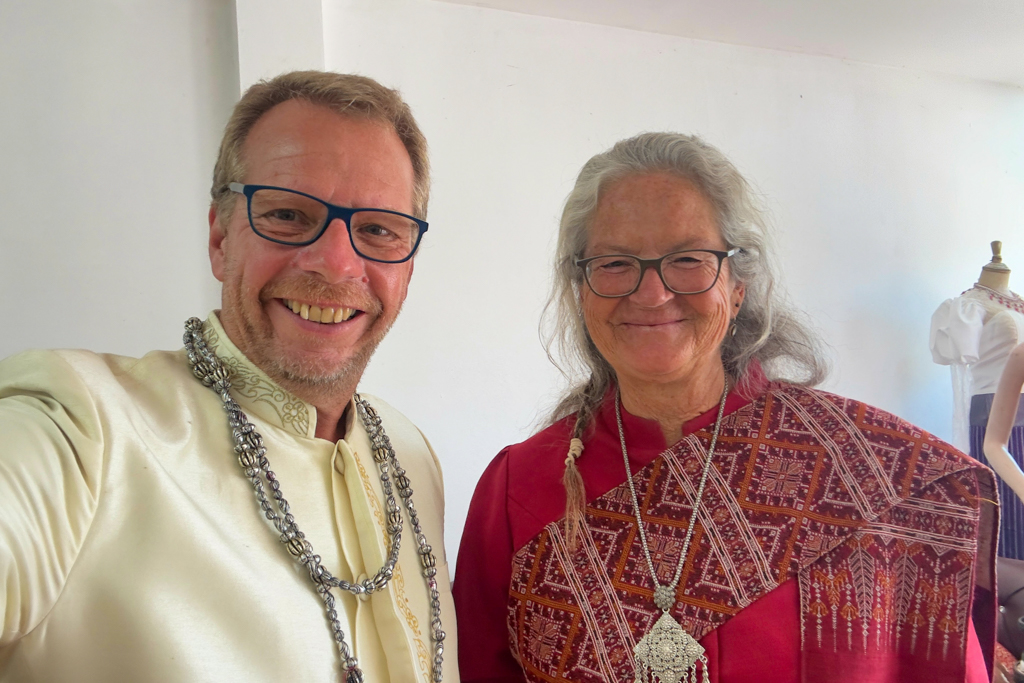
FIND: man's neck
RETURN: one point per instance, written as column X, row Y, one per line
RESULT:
column 330, row 403
column 330, row 424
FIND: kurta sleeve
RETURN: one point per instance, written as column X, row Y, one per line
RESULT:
column 956, row 331
column 482, row 578
column 50, row 466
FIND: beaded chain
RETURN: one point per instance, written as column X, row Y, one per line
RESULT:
column 208, row 368
column 665, row 595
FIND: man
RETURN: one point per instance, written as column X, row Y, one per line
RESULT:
column 132, row 546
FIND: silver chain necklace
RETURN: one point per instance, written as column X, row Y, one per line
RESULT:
column 209, row 369
column 668, row 653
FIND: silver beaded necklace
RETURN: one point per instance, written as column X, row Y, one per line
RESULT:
column 668, row 653
column 209, row 369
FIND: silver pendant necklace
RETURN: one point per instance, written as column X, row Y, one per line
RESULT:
column 668, row 654
column 252, row 456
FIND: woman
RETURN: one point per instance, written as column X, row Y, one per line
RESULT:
column 768, row 531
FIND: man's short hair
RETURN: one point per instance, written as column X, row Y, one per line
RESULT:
column 345, row 94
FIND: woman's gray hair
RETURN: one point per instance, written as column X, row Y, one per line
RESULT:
column 768, row 330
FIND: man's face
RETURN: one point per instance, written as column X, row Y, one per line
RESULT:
column 345, row 161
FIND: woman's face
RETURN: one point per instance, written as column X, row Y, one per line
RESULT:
column 655, row 335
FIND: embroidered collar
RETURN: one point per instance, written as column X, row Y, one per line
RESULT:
column 255, row 391
column 1013, row 301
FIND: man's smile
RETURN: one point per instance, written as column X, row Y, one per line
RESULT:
column 320, row 314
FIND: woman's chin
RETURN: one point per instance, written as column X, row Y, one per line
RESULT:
column 654, row 373
column 660, row 366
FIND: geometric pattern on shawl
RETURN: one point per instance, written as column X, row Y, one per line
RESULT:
column 877, row 520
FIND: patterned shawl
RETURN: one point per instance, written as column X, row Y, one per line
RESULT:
column 878, row 521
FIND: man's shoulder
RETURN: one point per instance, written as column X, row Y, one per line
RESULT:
column 394, row 420
column 410, row 443
column 68, row 374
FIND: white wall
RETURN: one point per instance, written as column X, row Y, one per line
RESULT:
column 109, row 123
column 886, row 186
column 275, row 37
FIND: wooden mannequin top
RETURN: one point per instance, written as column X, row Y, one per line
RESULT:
column 996, row 274
column 1000, row 422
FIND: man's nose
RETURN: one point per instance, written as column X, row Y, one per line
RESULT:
column 652, row 290
column 332, row 256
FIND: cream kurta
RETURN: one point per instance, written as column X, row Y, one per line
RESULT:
column 132, row 547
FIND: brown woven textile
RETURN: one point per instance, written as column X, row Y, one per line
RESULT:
column 877, row 520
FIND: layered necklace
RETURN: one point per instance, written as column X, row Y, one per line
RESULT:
column 668, row 654
column 252, row 456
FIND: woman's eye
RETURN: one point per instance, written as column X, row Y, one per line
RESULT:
column 684, row 262
column 612, row 265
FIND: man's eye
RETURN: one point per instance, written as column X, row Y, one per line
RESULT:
column 374, row 230
column 285, row 215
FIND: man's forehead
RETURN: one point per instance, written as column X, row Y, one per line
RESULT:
column 314, row 149
column 294, row 122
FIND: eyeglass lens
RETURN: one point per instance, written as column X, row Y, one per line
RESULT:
column 685, row 272
column 294, row 219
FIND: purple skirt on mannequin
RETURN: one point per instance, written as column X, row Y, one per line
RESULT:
column 1011, row 508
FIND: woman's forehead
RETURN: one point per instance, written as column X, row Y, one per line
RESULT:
column 655, row 210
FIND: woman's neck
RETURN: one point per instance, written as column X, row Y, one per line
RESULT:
column 673, row 404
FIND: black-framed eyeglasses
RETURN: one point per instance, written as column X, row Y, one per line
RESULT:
column 297, row 219
column 691, row 271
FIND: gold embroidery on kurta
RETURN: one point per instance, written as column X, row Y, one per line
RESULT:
column 398, row 581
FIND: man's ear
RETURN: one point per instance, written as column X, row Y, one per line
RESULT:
column 218, row 235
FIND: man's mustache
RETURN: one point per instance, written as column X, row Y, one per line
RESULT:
column 312, row 289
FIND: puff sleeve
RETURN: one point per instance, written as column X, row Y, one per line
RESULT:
column 956, row 331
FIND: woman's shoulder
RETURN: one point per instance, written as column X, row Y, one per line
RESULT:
column 521, row 466
column 830, row 409
column 852, row 429
column 540, row 448
column 828, row 402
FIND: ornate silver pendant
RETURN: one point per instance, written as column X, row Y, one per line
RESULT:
column 668, row 654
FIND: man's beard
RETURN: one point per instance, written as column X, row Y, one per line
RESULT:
column 308, row 378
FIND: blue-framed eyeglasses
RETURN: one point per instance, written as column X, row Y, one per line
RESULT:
column 297, row 219
column 692, row 271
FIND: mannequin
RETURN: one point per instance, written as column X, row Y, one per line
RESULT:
column 999, row 434
column 975, row 334
column 995, row 274
column 1001, row 420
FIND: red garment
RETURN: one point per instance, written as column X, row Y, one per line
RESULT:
column 521, row 493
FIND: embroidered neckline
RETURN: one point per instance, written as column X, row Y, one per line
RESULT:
column 1014, row 302
column 252, row 387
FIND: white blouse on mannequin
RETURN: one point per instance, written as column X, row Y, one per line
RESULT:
column 974, row 334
